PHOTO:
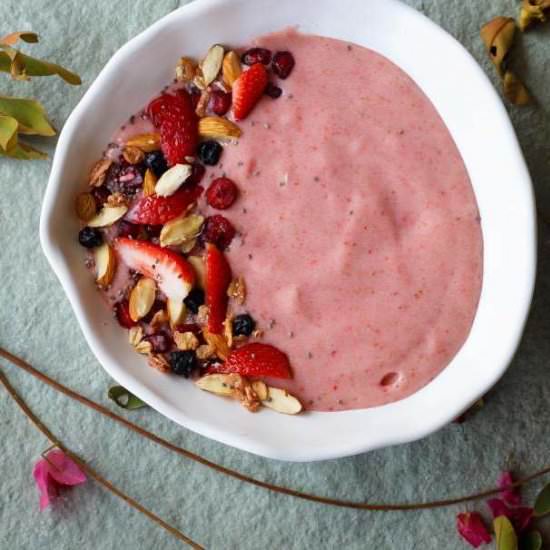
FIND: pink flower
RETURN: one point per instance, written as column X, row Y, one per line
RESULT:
column 471, row 527
column 53, row 471
column 510, row 495
column 520, row 516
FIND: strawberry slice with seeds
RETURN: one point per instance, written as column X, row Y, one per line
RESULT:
column 173, row 273
column 154, row 210
column 248, row 89
column 218, row 277
column 257, row 359
column 177, row 123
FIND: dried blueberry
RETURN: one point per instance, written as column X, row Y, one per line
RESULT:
column 90, row 237
column 194, row 300
column 156, row 162
column 243, row 325
column 183, row 362
column 283, row 63
column 209, row 152
column 273, row 91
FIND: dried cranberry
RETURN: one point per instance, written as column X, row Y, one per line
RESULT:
column 273, row 91
column 160, row 342
column 283, row 63
column 122, row 312
column 127, row 229
column 220, row 102
column 100, row 194
column 189, row 327
column 157, row 306
column 222, row 193
column 219, row 231
column 256, row 55
column 197, row 173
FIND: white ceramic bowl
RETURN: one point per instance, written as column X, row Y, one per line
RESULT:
column 480, row 126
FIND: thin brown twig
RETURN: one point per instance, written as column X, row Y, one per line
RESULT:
column 88, row 469
column 247, row 479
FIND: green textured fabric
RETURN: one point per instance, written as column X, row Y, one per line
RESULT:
column 37, row 323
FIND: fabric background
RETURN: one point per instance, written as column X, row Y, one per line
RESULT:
column 37, row 323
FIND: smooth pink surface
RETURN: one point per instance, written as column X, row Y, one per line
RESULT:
column 361, row 244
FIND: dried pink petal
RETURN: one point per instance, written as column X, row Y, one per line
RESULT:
column 472, row 529
column 51, row 472
column 510, row 495
column 520, row 517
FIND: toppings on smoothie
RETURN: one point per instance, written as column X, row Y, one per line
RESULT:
column 220, row 102
column 218, row 127
column 149, row 183
column 185, row 70
column 283, row 63
column 175, row 118
column 243, row 325
column 274, row 92
column 160, row 342
column 90, row 237
column 108, row 215
column 183, row 363
column 98, row 173
column 132, row 155
column 122, row 314
column 231, row 68
column 257, row 359
column 222, row 193
column 237, row 290
column 172, row 179
column 142, row 298
column 154, row 210
column 212, row 64
column 219, row 231
column 147, row 143
column 218, row 277
column 194, row 300
column 105, row 264
column 85, row 206
column 209, row 152
column 181, row 230
column 156, row 162
column 176, row 311
column 248, row 89
column 256, row 55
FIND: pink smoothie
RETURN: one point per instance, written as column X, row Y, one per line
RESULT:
column 360, row 239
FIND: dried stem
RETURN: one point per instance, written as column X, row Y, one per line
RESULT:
column 88, row 469
column 247, row 479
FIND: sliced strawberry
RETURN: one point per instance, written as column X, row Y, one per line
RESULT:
column 177, row 122
column 248, row 89
column 257, row 360
column 218, row 277
column 173, row 273
column 154, row 210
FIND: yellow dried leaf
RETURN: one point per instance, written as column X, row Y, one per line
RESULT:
column 514, row 90
column 532, row 11
column 498, row 37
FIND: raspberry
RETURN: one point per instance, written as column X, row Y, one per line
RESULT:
column 220, row 102
column 219, row 231
column 222, row 193
column 256, row 55
column 283, row 63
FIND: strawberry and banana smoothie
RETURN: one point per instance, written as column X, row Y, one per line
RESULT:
column 349, row 218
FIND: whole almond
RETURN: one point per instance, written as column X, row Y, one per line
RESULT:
column 105, row 264
column 231, row 68
column 142, row 298
column 146, row 142
column 149, row 183
column 85, row 206
column 218, row 127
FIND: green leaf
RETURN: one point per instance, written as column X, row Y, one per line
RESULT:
column 22, row 151
column 8, row 132
column 26, row 36
column 531, row 541
column 30, row 115
column 505, row 534
column 542, row 504
column 123, row 398
column 22, row 66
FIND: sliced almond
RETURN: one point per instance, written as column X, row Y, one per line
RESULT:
column 202, row 104
column 176, row 311
column 98, row 173
column 172, row 179
column 187, row 246
column 149, row 183
column 220, row 384
column 180, row 230
column 261, row 389
column 105, row 264
column 159, row 318
column 218, row 343
column 237, row 290
column 206, row 351
column 218, row 127
column 85, row 206
column 212, row 63
column 132, row 154
column 198, row 79
column 281, row 401
column 185, row 69
column 198, row 265
column 117, row 199
column 142, row 298
column 146, row 142
column 108, row 215
column 144, row 347
column 135, row 335
column 186, row 340
column 231, row 68
column 228, row 330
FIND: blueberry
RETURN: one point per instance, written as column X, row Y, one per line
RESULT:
column 194, row 300
column 156, row 162
column 209, row 152
column 243, row 325
column 273, row 91
column 90, row 237
column 183, row 362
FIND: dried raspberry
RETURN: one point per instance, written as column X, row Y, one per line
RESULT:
column 219, row 231
column 127, row 229
column 283, row 63
column 220, row 102
column 222, row 193
column 273, row 91
column 197, row 174
column 256, row 55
